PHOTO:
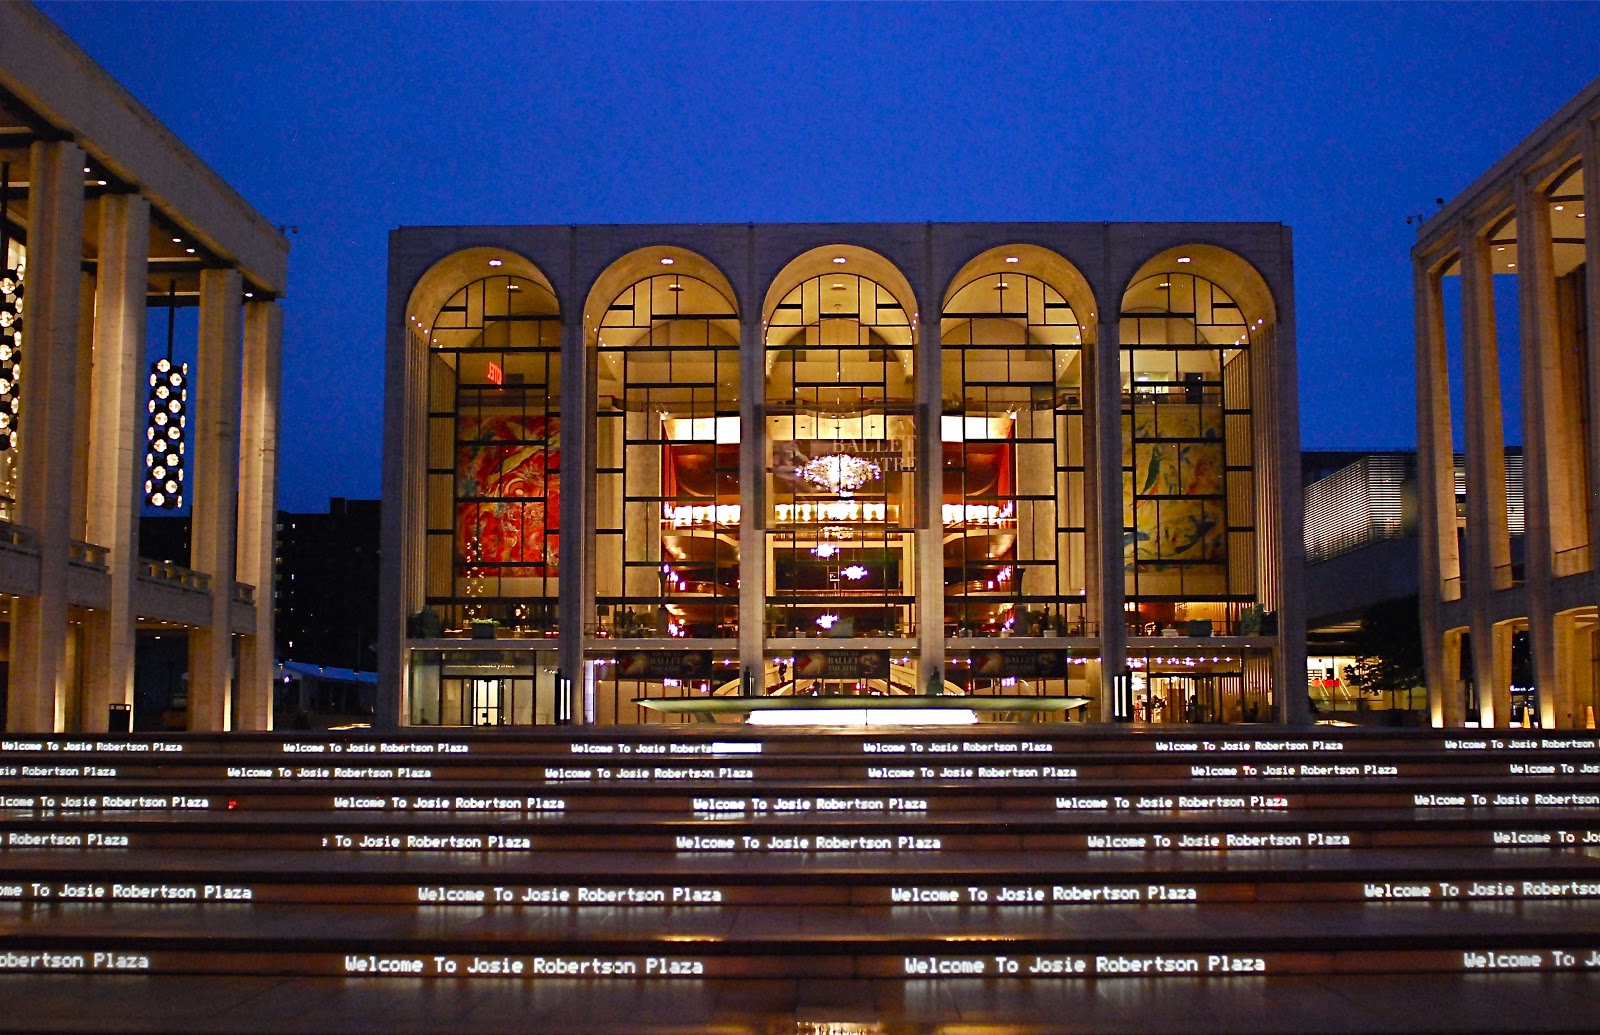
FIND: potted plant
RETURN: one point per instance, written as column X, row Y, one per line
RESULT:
column 483, row 628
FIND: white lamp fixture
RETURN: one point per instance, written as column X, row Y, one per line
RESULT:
column 164, row 432
column 11, row 289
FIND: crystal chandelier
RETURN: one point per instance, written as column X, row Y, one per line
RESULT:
column 839, row 472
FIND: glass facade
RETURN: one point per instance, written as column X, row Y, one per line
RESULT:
column 1188, row 500
column 840, row 452
column 1012, row 499
column 765, row 513
column 494, row 458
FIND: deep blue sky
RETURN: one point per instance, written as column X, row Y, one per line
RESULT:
column 349, row 120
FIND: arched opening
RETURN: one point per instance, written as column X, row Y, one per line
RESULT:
column 1012, row 465
column 489, row 325
column 664, row 327
column 1195, row 487
column 840, row 461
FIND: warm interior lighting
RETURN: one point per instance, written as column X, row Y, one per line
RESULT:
column 1184, row 258
column 839, row 260
column 839, row 472
column 495, row 262
column 1012, row 258
column 668, row 261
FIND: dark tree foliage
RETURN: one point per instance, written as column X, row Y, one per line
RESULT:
column 1389, row 647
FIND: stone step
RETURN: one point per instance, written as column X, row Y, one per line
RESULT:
column 775, row 941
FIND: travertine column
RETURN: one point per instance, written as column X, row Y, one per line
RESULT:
column 576, row 561
column 214, row 442
column 1488, row 542
column 1591, row 253
column 1104, row 407
column 752, row 494
column 1436, row 494
column 115, row 453
column 258, row 504
column 55, row 247
column 1548, row 446
column 929, row 483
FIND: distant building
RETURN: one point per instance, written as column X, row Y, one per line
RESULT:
column 1509, row 635
column 327, row 606
column 104, row 213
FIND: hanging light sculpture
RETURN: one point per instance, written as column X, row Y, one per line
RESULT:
column 164, row 433
column 839, row 472
column 10, row 323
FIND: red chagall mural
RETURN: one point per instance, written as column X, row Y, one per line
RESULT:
column 513, row 463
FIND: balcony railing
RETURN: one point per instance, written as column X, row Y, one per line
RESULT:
column 1450, row 588
column 1505, row 576
column 175, row 575
column 17, row 538
column 1574, row 561
column 244, row 593
column 87, row 555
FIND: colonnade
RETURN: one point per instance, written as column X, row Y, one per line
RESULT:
column 77, row 589
column 1481, row 587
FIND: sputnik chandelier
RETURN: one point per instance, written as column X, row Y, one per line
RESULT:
column 169, row 394
column 839, row 472
column 10, row 323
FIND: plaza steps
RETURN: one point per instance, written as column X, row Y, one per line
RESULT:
column 1006, row 865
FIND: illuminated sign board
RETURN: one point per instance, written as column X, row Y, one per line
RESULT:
column 662, row 664
column 841, row 664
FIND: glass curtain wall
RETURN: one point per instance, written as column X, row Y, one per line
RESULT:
column 1013, row 461
column 667, row 468
column 839, row 464
column 494, row 459
column 1187, row 473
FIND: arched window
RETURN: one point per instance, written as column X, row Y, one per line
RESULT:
column 494, row 456
column 1187, row 467
column 1012, row 503
column 667, row 461
column 841, row 443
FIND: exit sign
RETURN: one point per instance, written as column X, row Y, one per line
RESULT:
column 496, row 375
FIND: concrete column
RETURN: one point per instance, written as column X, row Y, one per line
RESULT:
column 1488, row 541
column 214, row 443
column 258, row 504
column 39, row 675
column 929, row 484
column 1438, row 546
column 83, row 379
column 576, row 560
column 115, row 457
column 1103, row 419
column 1591, row 355
column 1548, row 447
column 753, row 494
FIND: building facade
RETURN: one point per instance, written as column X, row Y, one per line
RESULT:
column 327, row 578
column 657, row 462
column 1507, row 636
column 104, row 213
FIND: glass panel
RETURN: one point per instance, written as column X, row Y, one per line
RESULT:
column 1012, row 462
